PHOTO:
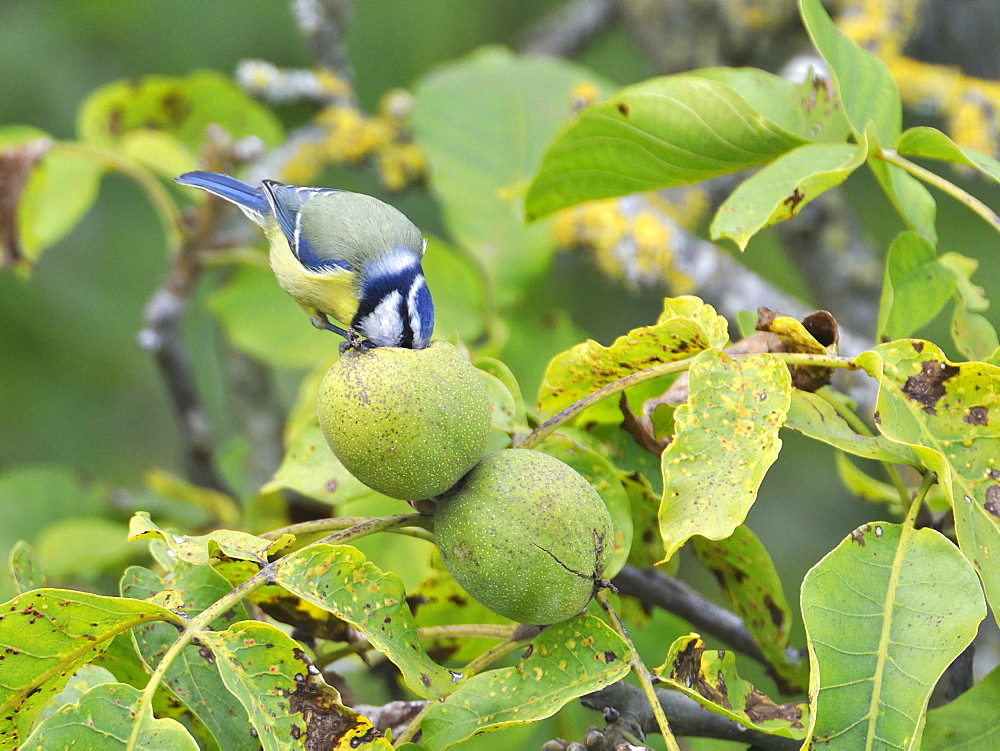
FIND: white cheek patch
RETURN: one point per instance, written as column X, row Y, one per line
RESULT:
column 384, row 326
column 411, row 305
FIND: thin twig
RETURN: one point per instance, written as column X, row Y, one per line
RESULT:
column 641, row 673
column 656, row 588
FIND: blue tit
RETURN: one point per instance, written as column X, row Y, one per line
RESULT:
column 339, row 254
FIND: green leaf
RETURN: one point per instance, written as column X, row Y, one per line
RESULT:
column 484, row 122
column 813, row 415
column 933, row 144
column 290, row 705
column 84, row 679
column 309, row 467
column 192, row 678
column 502, row 373
column 727, row 437
column 24, row 568
column 339, row 579
column 750, row 582
column 503, row 412
column 912, row 201
column 200, row 549
column 947, row 413
column 442, row 602
column 970, row 723
column 863, row 82
column 669, row 131
column 974, row 335
column 686, row 326
column 780, row 190
column 264, row 322
column 61, row 189
column 710, row 678
column 885, row 612
column 83, row 548
column 179, row 105
column 163, row 153
column 567, row 660
column 644, row 503
column 865, row 486
column 104, row 718
column 808, row 109
column 222, row 507
column 915, row 289
column 123, row 662
column 970, row 295
column 602, row 474
column 46, row 635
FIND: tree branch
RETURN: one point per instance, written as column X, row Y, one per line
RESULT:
column 324, row 24
column 656, row 588
column 687, row 717
column 568, row 28
column 161, row 336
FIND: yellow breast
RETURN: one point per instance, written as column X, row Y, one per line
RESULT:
column 332, row 292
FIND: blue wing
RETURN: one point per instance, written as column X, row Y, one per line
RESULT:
column 287, row 202
column 248, row 198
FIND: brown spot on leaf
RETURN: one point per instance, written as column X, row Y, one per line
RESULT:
column 993, row 500
column 793, row 201
column 610, row 657
column 777, row 614
column 327, row 721
column 977, row 416
column 918, row 346
column 176, row 107
column 927, row 387
column 994, row 474
column 115, row 118
column 760, row 708
column 687, row 670
column 623, row 108
column 858, row 535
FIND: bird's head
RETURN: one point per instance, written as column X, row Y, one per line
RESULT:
column 395, row 307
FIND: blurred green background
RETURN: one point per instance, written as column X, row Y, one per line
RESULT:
column 75, row 390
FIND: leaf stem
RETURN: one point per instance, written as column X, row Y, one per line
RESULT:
column 918, row 499
column 165, row 206
column 858, row 426
column 316, row 526
column 641, row 671
column 200, row 622
column 457, row 631
column 946, row 186
column 495, row 652
column 669, row 368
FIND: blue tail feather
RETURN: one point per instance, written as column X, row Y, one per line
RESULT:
column 247, row 197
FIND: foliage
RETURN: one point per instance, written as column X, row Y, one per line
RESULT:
column 231, row 634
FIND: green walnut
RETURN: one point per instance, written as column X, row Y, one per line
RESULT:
column 525, row 535
column 405, row 422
